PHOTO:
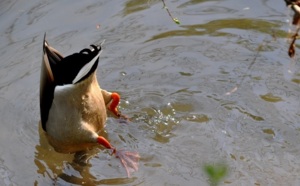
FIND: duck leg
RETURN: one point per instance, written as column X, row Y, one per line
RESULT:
column 114, row 104
column 129, row 160
column 115, row 97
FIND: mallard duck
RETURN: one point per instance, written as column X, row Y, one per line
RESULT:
column 73, row 107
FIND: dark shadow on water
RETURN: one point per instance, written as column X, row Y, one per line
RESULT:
column 69, row 168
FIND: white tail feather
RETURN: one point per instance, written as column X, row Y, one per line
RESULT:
column 86, row 68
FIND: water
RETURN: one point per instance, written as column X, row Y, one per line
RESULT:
column 173, row 81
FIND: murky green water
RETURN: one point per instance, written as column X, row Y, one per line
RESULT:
column 173, row 81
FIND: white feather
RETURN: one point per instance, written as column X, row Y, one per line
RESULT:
column 86, row 68
column 63, row 89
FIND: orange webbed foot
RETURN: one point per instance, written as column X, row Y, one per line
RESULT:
column 113, row 107
column 114, row 104
column 129, row 160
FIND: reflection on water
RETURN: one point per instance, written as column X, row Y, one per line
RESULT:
column 69, row 168
column 173, row 81
column 220, row 27
column 133, row 6
column 270, row 97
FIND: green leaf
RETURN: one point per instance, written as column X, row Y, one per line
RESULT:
column 176, row 21
column 216, row 173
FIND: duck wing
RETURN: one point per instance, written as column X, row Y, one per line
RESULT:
column 47, row 83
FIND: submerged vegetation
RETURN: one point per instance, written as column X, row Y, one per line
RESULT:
column 215, row 172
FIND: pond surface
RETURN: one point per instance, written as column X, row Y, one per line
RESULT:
column 173, row 80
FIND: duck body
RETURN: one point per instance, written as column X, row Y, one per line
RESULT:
column 73, row 107
column 75, row 119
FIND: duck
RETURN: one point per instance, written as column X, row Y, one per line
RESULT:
column 73, row 107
